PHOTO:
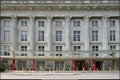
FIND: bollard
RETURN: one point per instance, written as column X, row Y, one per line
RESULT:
column 89, row 69
column 97, row 69
column 110, row 68
column 83, row 69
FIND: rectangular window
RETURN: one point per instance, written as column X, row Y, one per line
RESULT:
column 76, row 23
column 58, row 35
column 40, row 48
column 7, row 23
column 41, row 23
column 95, row 48
column 23, row 23
column 112, row 35
column 7, row 47
column 40, row 35
column 94, row 35
column 94, row 23
column 58, row 48
column 23, row 35
column 112, row 23
column 113, row 47
column 58, row 23
column 6, row 35
column 76, row 35
column 76, row 48
column 23, row 48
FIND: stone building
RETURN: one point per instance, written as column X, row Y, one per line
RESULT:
column 60, row 34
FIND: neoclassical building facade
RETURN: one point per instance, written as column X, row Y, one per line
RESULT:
column 60, row 34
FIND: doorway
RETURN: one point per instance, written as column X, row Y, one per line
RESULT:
column 99, row 65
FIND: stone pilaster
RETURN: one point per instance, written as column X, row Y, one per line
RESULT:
column 67, row 21
column 86, row 30
column 105, row 33
column 31, row 33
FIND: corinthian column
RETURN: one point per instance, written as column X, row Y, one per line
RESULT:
column 31, row 33
column 67, row 21
column 49, row 33
column 15, row 32
column 86, row 28
column 105, row 37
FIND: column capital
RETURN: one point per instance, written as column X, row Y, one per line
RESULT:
column 31, row 16
column 105, row 17
column 86, row 17
column 14, row 16
column 67, row 17
column 49, row 16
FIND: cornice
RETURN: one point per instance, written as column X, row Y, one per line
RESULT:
column 60, row 6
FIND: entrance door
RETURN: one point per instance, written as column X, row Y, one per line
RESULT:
column 59, row 65
column 99, row 65
column 40, row 65
column 21, row 65
column 79, row 65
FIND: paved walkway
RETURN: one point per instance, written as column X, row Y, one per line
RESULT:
column 60, row 75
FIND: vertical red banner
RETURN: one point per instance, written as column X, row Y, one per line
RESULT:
column 94, row 65
column 73, row 65
column 13, row 64
column 85, row 64
column 33, row 65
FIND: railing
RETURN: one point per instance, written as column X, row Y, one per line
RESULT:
column 63, row 54
column 60, row 1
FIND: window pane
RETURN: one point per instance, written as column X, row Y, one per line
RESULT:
column 23, row 23
column 58, row 35
column 94, row 35
column 58, row 23
column 41, row 23
column 23, row 35
column 76, row 35
column 112, row 23
column 6, row 35
column 7, row 23
column 40, row 35
column 112, row 35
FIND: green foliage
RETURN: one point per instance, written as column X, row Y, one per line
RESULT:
column 2, row 69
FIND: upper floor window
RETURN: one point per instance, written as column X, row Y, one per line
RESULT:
column 6, row 35
column 94, row 23
column 112, row 22
column 94, row 35
column 95, row 48
column 58, row 48
column 76, row 35
column 58, row 35
column 113, row 47
column 41, row 23
column 58, row 23
column 7, row 47
column 40, row 48
column 112, row 35
column 76, row 23
column 76, row 48
column 40, row 35
column 23, row 35
column 7, row 23
column 23, row 48
column 23, row 23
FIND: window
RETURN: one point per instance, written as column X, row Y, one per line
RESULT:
column 40, row 48
column 41, row 23
column 6, row 35
column 40, row 35
column 76, row 48
column 113, row 47
column 76, row 35
column 58, row 48
column 58, row 35
column 23, row 48
column 76, row 23
column 112, row 35
column 23, row 23
column 23, row 35
column 58, row 23
column 95, row 48
column 6, row 49
column 94, row 35
column 112, row 23
column 94, row 23
column 7, row 23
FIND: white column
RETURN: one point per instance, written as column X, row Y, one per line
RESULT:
column 15, row 32
column 87, row 31
column 67, row 21
column 49, row 33
column 31, row 33
column 105, row 33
